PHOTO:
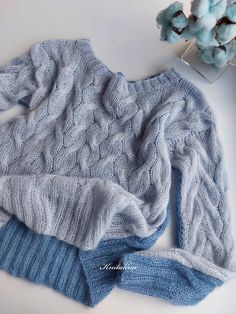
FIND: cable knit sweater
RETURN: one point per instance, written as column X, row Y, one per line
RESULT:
column 85, row 176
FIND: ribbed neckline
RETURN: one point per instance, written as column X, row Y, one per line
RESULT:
column 156, row 81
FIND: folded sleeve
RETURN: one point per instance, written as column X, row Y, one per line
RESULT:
column 17, row 81
column 204, row 256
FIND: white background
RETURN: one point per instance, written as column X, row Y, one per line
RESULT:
column 124, row 36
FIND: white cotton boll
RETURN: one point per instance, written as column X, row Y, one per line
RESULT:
column 207, row 22
column 200, row 8
column 226, row 32
column 206, row 38
column 220, row 57
column 218, row 10
column 206, row 55
column 231, row 13
column 172, row 9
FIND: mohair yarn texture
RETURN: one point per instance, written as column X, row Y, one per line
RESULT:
column 85, row 177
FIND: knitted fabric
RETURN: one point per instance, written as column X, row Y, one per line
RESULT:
column 85, row 176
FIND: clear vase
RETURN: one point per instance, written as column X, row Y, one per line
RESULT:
column 208, row 71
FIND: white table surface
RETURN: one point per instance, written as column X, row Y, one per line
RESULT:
column 124, row 36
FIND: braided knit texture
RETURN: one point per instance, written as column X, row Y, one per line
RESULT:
column 88, row 160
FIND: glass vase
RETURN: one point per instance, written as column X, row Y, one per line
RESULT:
column 208, row 71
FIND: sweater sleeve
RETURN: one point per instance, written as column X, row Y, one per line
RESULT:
column 204, row 255
column 17, row 81
column 39, row 83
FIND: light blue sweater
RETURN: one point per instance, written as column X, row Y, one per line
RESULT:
column 85, row 176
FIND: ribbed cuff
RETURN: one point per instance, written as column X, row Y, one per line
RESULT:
column 165, row 278
column 86, row 276
column 48, row 261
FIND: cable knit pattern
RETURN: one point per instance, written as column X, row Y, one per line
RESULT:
column 86, row 166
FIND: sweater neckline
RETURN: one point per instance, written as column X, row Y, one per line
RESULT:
column 156, row 81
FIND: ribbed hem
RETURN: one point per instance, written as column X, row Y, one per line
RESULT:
column 75, row 273
column 46, row 260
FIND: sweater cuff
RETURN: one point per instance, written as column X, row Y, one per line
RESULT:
column 87, row 276
column 165, row 278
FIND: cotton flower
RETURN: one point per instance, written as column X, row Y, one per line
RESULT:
column 230, row 13
column 226, row 32
column 203, row 36
column 172, row 22
column 207, row 12
column 218, row 56
column 212, row 23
